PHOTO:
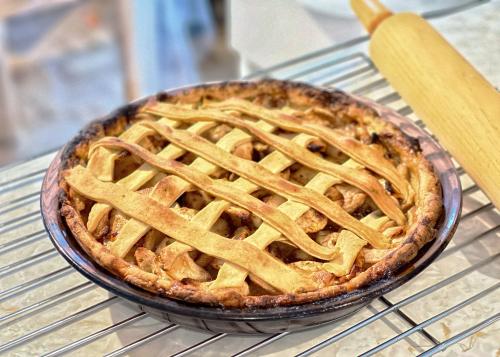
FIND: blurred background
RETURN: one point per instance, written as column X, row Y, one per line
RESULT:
column 66, row 62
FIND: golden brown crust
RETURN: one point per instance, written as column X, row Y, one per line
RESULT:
column 428, row 196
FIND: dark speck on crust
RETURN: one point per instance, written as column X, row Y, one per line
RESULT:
column 426, row 221
column 131, row 110
column 314, row 147
column 388, row 187
column 414, row 143
column 162, row 97
column 374, row 139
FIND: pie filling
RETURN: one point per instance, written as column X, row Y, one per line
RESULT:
column 240, row 196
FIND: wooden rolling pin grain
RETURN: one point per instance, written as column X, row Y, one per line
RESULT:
column 452, row 98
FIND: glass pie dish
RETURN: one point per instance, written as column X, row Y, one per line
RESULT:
column 254, row 318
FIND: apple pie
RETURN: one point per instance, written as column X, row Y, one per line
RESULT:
column 249, row 194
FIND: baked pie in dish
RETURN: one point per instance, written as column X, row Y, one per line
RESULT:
column 249, row 194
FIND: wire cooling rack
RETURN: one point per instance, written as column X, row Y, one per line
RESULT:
column 47, row 308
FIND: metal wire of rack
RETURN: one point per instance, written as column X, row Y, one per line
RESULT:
column 48, row 309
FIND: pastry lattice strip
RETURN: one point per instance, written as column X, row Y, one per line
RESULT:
column 164, row 219
column 227, row 191
column 319, row 175
column 214, row 216
column 358, row 178
column 133, row 231
column 364, row 154
column 318, row 201
column 260, row 176
column 230, row 276
column 271, row 162
column 101, row 164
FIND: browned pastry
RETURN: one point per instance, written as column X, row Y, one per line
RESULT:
column 249, row 194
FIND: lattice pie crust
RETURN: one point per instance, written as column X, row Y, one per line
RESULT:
column 249, row 194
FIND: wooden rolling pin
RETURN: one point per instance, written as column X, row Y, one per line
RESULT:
column 452, row 98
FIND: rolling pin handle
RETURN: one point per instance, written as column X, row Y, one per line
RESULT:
column 370, row 12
